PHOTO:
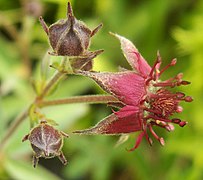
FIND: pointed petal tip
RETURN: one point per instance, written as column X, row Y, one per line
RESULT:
column 132, row 55
column 97, row 52
column 115, row 35
column 69, row 10
column 120, row 38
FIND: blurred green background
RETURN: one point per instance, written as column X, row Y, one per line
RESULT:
column 173, row 27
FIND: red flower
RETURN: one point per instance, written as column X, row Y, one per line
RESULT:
column 146, row 100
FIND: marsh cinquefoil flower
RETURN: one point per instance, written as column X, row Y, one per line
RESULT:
column 146, row 100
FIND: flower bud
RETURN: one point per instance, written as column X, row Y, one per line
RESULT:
column 69, row 37
column 46, row 142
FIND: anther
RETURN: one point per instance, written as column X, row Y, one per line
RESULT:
column 162, row 142
column 183, row 123
column 176, row 120
column 185, row 83
column 179, row 109
column 173, row 62
column 188, row 99
column 180, row 95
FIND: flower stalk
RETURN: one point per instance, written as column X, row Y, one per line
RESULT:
column 90, row 99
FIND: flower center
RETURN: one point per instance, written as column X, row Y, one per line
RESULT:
column 163, row 103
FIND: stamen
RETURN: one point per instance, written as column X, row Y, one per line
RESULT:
column 161, row 140
column 168, row 127
column 157, row 62
column 179, row 109
column 183, row 123
column 173, row 62
column 149, row 140
column 163, row 120
column 176, row 120
column 171, row 84
column 165, row 84
column 180, row 95
column 179, row 76
column 138, row 141
column 152, row 111
column 158, row 96
column 188, row 99
column 185, row 83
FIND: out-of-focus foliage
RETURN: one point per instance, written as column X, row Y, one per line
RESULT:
column 174, row 27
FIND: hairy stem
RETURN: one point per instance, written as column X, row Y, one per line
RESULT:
column 50, row 84
column 19, row 119
column 90, row 99
column 56, row 77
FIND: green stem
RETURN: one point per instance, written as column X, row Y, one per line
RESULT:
column 56, row 77
column 17, row 121
column 90, row 99
column 50, row 84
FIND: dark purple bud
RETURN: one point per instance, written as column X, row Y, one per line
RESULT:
column 69, row 37
column 46, row 142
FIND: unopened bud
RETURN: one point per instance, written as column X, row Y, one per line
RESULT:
column 46, row 142
column 69, row 37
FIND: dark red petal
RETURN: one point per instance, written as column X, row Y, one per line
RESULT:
column 124, row 121
column 128, row 87
column 133, row 56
